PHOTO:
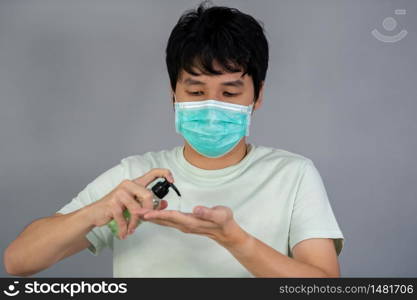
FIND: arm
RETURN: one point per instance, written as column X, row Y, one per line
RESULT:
column 314, row 257
column 311, row 257
column 46, row 241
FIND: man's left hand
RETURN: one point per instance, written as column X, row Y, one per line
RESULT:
column 216, row 223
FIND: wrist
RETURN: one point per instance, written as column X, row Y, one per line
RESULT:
column 87, row 216
column 234, row 236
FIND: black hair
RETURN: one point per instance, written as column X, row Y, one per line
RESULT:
column 234, row 39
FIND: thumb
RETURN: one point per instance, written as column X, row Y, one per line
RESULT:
column 203, row 212
column 217, row 214
column 163, row 205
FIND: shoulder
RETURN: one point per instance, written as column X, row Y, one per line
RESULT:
column 129, row 167
column 281, row 158
column 148, row 160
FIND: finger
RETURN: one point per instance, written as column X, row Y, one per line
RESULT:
column 163, row 223
column 120, row 220
column 179, row 218
column 139, row 193
column 163, row 204
column 169, row 215
column 133, row 224
column 153, row 174
column 134, row 219
column 217, row 214
column 132, row 206
column 142, row 212
column 173, row 225
column 196, row 228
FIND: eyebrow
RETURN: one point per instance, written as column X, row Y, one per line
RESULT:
column 236, row 83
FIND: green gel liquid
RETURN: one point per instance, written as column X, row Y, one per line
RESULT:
column 115, row 228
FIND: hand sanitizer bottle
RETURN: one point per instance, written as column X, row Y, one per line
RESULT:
column 160, row 190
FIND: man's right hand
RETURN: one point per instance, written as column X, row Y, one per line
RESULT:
column 129, row 194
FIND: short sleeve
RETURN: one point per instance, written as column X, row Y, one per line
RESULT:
column 99, row 237
column 312, row 215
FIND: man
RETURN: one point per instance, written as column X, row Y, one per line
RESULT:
column 245, row 210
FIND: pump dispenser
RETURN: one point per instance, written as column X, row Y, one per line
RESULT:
column 160, row 190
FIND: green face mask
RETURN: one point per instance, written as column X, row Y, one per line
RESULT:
column 212, row 128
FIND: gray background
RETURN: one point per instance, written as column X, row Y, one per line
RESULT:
column 84, row 84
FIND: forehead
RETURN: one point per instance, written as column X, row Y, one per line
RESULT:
column 187, row 78
column 237, row 78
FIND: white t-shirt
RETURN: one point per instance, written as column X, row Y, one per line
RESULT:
column 275, row 195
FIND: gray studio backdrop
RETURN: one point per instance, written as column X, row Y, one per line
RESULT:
column 84, row 84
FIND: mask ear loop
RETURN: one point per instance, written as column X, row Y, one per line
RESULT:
column 248, row 118
column 252, row 105
column 177, row 117
column 176, row 113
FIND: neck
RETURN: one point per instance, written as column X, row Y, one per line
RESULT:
column 203, row 162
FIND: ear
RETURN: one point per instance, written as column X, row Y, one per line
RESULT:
column 260, row 99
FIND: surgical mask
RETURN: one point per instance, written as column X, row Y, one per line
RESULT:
column 211, row 127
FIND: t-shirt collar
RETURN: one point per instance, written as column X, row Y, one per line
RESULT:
column 217, row 174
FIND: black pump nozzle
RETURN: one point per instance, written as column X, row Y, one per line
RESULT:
column 161, row 188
